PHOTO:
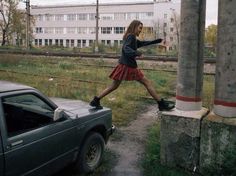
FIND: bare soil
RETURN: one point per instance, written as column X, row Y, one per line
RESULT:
column 131, row 144
column 128, row 146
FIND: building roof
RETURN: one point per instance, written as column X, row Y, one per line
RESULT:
column 91, row 4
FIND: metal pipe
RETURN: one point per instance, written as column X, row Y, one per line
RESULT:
column 97, row 28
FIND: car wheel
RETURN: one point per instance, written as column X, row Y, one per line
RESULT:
column 91, row 153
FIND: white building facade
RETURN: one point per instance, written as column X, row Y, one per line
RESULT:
column 75, row 25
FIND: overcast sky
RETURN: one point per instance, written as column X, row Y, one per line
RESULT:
column 211, row 11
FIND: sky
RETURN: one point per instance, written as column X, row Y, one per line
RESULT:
column 211, row 10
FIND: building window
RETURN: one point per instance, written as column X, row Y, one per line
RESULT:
column 46, row 42
column 150, row 14
column 67, row 43
column 165, row 24
column 56, row 42
column 40, row 42
column 40, row 17
column 36, row 42
column 50, row 42
column 71, row 30
column 84, row 43
column 115, row 42
column 91, row 42
column 171, row 29
column 172, row 20
column 72, row 43
column 71, row 17
column 48, row 30
column 92, row 30
column 148, row 30
column 61, row 42
column 132, row 16
column 49, row 17
column 171, row 39
column 106, row 30
column 59, row 30
column 59, row 17
column 119, row 16
column 165, row 15
column 79, row 43
column 146, row 15
column 109, row 42
column 92, row 16
column 82, row 30
column 119, row 30
column 107, row 17
column 39, row 30
column 82, row 16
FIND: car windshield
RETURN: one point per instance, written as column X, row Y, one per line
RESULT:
column 29, row 100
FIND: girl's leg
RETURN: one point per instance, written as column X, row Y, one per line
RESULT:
column 96, row 100
column 115, row 84
column 162, row 104
column 147, row 83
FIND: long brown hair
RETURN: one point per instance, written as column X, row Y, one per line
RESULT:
column 132, row 28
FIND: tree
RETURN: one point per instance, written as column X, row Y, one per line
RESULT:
column 18, row 28
column 7, row 9
column 211, row 35
column 176, row 18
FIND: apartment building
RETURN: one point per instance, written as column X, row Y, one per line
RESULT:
column 75, row 25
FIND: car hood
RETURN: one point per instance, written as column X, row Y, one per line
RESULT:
column 78, row 108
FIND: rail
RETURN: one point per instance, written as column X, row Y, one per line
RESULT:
column 163, row 58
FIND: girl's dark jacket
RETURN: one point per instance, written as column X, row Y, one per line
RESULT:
column 130, row 52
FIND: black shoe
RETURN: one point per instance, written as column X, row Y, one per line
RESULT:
column 165, row 105
column 96, row 103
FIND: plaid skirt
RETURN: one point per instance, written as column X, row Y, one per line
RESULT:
column 124, row 72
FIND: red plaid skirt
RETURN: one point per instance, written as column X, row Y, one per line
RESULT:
column 124, row 72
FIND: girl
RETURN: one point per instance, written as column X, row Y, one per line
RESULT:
column 127, row 68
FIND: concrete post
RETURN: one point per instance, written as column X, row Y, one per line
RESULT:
column 180, row 128
column 190, row 59
column 218, row 129
column 225, row 82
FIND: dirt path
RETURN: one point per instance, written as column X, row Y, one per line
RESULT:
column 130, row 148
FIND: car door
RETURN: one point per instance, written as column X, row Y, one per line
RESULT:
column 35, row 144
column 1, row 156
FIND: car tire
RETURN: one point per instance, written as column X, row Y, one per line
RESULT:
column 91, row 153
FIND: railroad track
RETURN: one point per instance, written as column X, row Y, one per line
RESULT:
column 52, row 77
column 164, row 58
column 49, row 77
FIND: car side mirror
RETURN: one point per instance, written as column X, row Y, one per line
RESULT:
column 58, row 114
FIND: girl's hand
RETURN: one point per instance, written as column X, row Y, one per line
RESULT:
column 163, row 42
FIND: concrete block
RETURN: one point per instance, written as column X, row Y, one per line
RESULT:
column 180, row 138
column 218, row 138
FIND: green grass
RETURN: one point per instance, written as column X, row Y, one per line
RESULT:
column 70, row 78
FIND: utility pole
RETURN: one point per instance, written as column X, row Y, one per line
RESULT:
column 97, row 28
column 27, row 43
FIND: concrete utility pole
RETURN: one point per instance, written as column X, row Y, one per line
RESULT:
column 97, row 28
column 190, row 59
column 181, row 128
column 225, row 82
column 27, row 43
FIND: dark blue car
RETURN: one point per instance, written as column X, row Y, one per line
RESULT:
column 40, row 136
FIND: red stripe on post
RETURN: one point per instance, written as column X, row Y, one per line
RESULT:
column 189, row 99
column 224, row 103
